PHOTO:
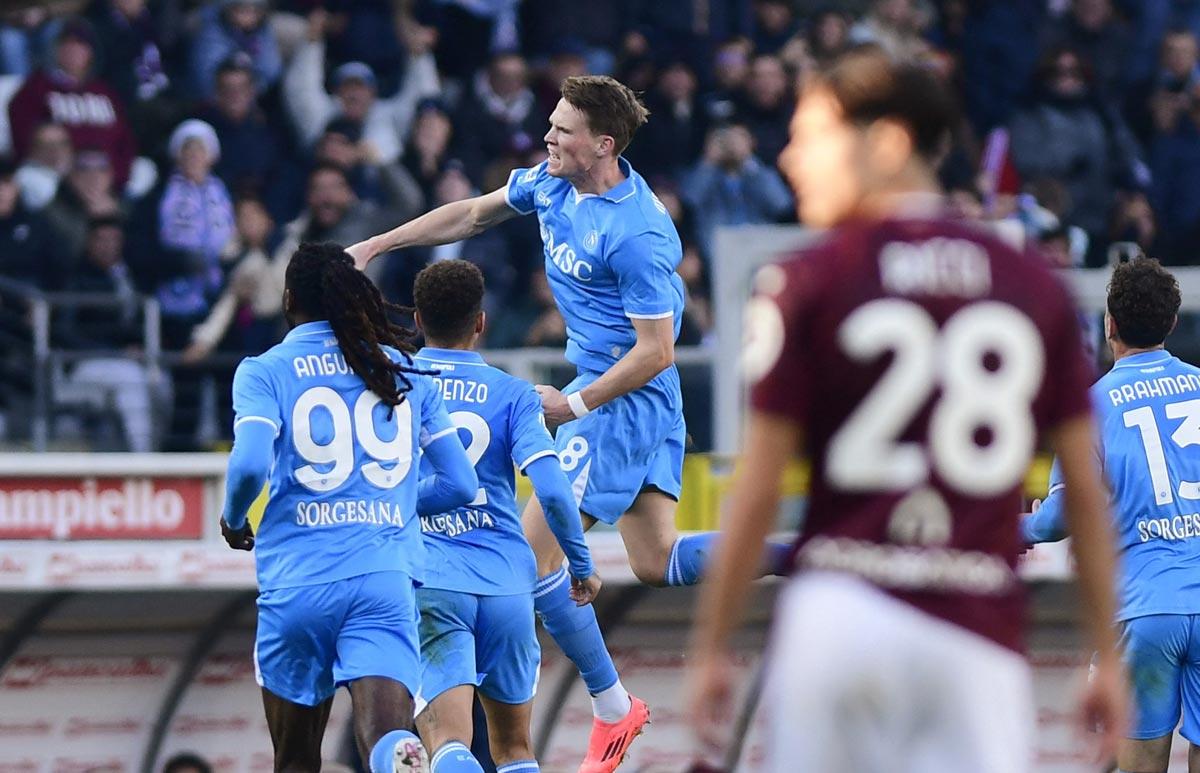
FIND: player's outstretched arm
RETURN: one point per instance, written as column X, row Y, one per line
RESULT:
column 448, row 223
column 1047, row 522
column 249, row 466
column 453, row 483
column 753, row 505
column 553, row 490
column 1090, row 525
column 653, row 353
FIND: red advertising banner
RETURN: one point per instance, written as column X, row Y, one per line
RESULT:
column 101, row 508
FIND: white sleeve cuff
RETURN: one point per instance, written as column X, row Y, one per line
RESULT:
column 534, row 458
column 263, row 419
column 426, row 441
column 508, row 195
column 662, row 315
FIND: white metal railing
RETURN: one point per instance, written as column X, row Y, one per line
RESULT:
column 740, row 251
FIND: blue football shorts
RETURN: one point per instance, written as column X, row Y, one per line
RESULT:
column 626, row 446
column 315, row 638
column 486, row 641
column 1162, row 653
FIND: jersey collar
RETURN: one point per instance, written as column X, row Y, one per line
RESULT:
column 450, row 355
column 1141, row 359
column 623, row 189
column 309, row 330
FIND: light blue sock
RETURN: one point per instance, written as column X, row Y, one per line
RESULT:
column 519, row 766
column 689, row 557
column 454, row 757
column 575, row 630
column 384, row 752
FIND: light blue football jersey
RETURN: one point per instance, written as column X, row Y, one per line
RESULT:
column 1148, row 411
column 481, row 548
column 343, row 486
column 609, row 259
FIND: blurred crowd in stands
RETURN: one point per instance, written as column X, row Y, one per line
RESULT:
column 180, row 150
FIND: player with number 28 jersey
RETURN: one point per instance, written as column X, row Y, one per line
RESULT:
column 907, row 355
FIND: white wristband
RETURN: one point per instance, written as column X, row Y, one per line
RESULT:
column 578, row 407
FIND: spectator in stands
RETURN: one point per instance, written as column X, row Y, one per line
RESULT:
column 195, row 221
column 548, row 328
column 998, row 61
column 428, row 149
column 730, row 186
column 130, row 55
column 567, row 58
column 731, row 69
column 828, row 35
column 249, row 146
column 470, row 32
column 88, row 191
column 669, row 144
column 27, row 244
column 1174, row 148
column 387, row 185
column 531, row 320
column 385, row 122
column 494, row 251
column 69, row 94
column 765, row 107
column 24, row 34
column 499, row 116
column 1094, row 30
column 114, row 378
column 1068, row 134
column 187, row 763
column 242, row 320
column 895, row 26
column 227, row 27
column 50, row 159
column 697, row 311
column 775, row 23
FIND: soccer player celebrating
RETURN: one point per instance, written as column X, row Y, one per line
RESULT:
column 333, row 416
column 611, row 251
column 908, row 356
column 1149, row 414
column 476, row 604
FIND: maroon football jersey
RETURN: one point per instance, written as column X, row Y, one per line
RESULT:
column 922, row 359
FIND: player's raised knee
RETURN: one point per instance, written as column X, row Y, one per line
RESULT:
column 652, row 573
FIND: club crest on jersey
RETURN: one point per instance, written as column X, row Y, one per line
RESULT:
column 591, row 241
column 565, row 259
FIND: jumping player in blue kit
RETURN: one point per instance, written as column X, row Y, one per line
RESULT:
column 335, row 417
column 476, row 604
column 611, row 252
column 1148, row 410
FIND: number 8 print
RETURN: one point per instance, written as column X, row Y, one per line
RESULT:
column 570, row 457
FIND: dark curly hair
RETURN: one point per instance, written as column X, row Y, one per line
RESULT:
column 449, row 296
column 1143, row 300
column 325, row 285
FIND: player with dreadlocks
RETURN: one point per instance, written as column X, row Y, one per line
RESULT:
column 332, row 415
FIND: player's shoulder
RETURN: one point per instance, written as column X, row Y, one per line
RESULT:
column 642, row 199
column 506, row 387
column 539, row 179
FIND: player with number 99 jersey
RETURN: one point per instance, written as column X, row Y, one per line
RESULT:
column 342, row 500
column 332, row 419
